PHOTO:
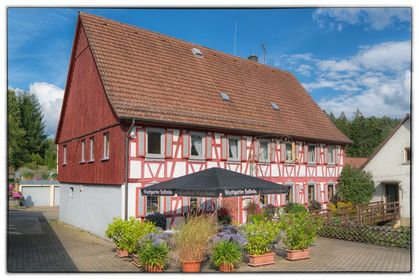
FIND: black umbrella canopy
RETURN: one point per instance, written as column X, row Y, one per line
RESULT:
column 215, row 181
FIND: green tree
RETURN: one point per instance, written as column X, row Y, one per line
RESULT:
column 50, row 159
column 15, row 132
column 33, row 124
column 355, row 185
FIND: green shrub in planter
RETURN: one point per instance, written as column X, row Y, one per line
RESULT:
column 117, row 232
column 226, row 253
column 260, row 236
column 158, row 219
column 126, row 234
column 294, row 208
column 300, row 229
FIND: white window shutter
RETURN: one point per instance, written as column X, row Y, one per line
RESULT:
column 186, row 145
column 272, row 151
column 243, row 149
column 169, row 144
column 283, row 147
column 208, row 146
column 224, row 148
column 141, row 141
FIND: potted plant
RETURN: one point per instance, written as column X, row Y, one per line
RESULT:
column 192, row 241
column 116, row 231
column 153, row 252
column 260, row 237
column 227, row 248
column 300, row 232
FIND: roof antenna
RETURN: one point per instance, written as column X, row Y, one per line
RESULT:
column 265, row 53
column 235, row 37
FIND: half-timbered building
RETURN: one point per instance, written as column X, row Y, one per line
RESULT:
column 141, row 107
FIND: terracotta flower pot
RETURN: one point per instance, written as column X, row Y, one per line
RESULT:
column 224, row 267
column 191, row 266
column 154, row 268
column 259, row 260
column 122, row 253
column 295, row 255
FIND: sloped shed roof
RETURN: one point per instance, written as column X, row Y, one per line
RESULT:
column 153, row 77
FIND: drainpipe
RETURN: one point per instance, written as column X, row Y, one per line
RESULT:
column 127, row 137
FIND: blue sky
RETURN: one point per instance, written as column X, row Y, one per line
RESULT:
column 345, row 58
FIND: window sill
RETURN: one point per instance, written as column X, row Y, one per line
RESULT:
column 406, row 163
column 91, row 161
column 264, row 162
column 64, row 164
column 231, row 160
column 197, row 159
column 82, row 162
column 154, row 158
column 290, row 163
column 104, row 159
column 311, row 164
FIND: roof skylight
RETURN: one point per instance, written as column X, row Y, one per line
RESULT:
column 197, row 52
column 274, row 106
column 225, row 96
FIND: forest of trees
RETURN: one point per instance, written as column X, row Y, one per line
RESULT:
column 28, row 145
column 366, row 133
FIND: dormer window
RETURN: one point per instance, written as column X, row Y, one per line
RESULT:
column 197, row 52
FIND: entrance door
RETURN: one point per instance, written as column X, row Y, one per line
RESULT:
column 392, row 195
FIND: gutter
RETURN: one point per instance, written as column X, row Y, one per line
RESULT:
column 127, row 137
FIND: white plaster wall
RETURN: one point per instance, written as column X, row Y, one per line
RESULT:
column 91, row 207
column 388, row 165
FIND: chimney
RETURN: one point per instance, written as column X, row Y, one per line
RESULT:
column 253, row 57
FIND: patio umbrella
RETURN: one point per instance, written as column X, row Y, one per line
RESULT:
column 214, row 182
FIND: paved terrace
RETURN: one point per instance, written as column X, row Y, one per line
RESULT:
column 37, row 242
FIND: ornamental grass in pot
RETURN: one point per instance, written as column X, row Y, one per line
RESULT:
column 261, row 235
column 192, row 241
column 300, row 231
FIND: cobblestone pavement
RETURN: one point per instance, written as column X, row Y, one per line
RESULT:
column 37, row 242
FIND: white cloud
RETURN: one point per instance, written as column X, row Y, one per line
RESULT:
column 376, row 79
column 372, row 18
column 50, row 98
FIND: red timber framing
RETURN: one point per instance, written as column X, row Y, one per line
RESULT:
column 144, row 171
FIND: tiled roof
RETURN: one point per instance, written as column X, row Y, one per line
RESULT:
column 154, row 77
column 356, row 162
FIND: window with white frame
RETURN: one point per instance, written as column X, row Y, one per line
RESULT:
column 106, row 145
column 193, row 204
column 92, row 149
column 197, row 146
column 152, row 204
column 289, row 152
column 64, row 154
column 407, row 155
column 263, row 199
column 311, row 153
column 233, row 148
column 330, row 154
column 155, row 142
column 264, row 151
column 311, row 192
column 330, row 191
column 83, row 151
column 288, row 195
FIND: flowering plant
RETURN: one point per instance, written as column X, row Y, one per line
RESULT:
column 229, row 233
column 17, row 195
column 153, row 250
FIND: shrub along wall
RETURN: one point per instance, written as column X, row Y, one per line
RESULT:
column 379, row 235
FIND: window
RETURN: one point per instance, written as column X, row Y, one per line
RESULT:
column 233, row 148
column 330, row 154
column 275, row 106
column 193, row 204
column 330, row 191
column 197, row 150
column 197, row 52
column 152, row 204
column 106, row 146
column 83, row 153
column 71, row 192
column 92, row 149
column 155, row 146
column 225, row 96
column 311, row 193
column 288, row 196
column 264, row 151
column 289, row 152
column 64, row 154
column 263, row 199
column 407, row 155
column 311, row 153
